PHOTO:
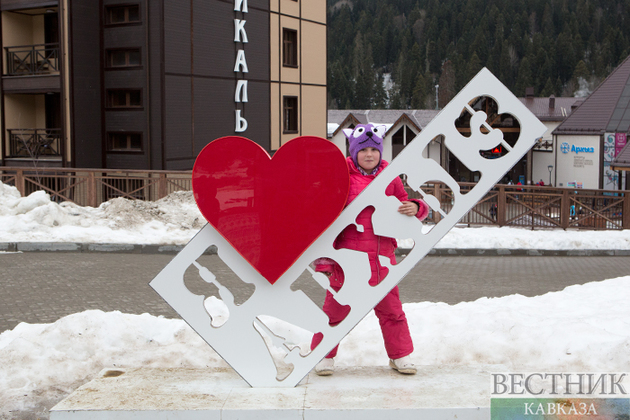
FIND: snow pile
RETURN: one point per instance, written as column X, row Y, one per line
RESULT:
column 491, row 237
column 175, row 219
column 583, row 328
column 42, row 363
column 171, row 220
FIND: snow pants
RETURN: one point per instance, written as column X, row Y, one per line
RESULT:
column 390, row 316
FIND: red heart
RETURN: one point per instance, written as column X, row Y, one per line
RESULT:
column 270, row 209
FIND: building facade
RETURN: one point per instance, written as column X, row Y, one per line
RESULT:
column 589, row 140
column 551, row 112
column 146, row 84
column 402, row 127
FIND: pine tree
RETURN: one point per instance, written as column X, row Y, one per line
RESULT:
column 551, row 37
column 524, row 77
column 474, row 65
column 447, row 84
column 548, row 90
column 419, row 92
column 363, row 72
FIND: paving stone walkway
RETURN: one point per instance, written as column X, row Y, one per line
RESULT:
column 41, row 287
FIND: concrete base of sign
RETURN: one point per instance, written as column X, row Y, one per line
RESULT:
column 219, row 393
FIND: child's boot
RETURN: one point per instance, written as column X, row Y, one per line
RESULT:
column 326, row 367
column 403, row 365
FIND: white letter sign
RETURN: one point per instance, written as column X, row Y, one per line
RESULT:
column 256, row 336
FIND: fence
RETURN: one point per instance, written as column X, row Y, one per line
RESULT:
column 91, row 187
column 537, row 207
column 530, row 207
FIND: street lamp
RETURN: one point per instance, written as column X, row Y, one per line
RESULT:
column 436, row 96
column 550, row 168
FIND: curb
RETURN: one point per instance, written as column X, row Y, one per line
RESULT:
column 504, row 252
column 90, row 248
column 174, row 249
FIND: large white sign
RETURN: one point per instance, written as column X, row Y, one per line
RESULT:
column 253, row 339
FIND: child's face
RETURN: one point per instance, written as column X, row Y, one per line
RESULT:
column 368, row 158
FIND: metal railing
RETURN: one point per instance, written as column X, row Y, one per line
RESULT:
column 91, row 187
column 531, row 207
column 536, row 207
column 34, row 142
column 32, row 59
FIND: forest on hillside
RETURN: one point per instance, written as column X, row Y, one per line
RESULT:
column 390, row 54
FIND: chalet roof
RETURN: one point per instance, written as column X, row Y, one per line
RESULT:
column 418, row 117
column 552, row 108
column 607, row 109
column 545, row 109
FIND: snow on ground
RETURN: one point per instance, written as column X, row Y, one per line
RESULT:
column 175, row 219
column 582, row 328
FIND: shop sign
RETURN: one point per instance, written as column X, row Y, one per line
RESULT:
column 620, row 142
column 566, row 148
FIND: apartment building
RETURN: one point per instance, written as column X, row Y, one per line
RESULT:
column 146, row 84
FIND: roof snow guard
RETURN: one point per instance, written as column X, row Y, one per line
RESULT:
column 606, row 110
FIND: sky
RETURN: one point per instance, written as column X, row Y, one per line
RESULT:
column 583, row 328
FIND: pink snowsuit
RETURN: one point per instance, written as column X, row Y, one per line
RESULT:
column 389, row 311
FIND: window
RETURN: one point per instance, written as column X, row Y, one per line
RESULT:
column 401, row 139
column 289, row 48
column 124, row 98
column 123, row 58
column 122, row 15
column 124, row 142
column 290, row 114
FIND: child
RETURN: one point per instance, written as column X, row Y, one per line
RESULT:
column 364, row 164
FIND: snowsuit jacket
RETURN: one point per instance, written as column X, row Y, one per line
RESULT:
column 367, row 241
column 389, row 311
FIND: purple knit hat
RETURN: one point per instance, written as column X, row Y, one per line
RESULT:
column 365, row 135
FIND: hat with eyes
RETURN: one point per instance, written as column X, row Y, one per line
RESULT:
column 362, row 136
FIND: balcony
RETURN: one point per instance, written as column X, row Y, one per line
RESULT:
column 34, row 143
column 30, row 60
column 32, row 68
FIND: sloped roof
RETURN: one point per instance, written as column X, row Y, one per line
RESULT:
column 622, row 161
column 338, row 116
column 552, row 108
column 607, row 109
column 540, row 107
column 420, row 117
